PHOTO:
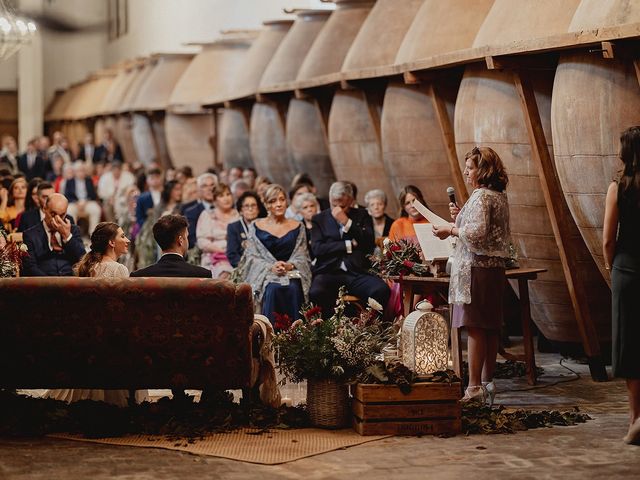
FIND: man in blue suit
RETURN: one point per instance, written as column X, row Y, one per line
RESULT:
column 54, row 245
column 341, row 239
column 147, row 200
column 31, row 163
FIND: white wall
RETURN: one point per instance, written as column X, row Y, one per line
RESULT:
column 9, row 74
column 165, row 25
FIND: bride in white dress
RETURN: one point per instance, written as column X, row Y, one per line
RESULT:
column 108, row 243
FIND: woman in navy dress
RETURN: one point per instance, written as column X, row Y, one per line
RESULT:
column 277, row 262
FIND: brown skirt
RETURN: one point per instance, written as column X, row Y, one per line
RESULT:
column 487, row 299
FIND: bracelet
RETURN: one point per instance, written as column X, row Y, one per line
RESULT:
column 451, row 231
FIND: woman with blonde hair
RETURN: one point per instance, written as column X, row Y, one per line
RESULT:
column 621, row 249
column 476, row 289
column 277, row 264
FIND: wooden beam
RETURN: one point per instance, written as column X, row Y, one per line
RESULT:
column 559, row 217
column 448, row 140
column 636, row 64
column 547, row 61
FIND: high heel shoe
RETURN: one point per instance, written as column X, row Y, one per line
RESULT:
column 474, row 393
column 490, row 388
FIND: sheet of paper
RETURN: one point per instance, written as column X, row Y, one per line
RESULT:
column 429, row 215
column 432, row 247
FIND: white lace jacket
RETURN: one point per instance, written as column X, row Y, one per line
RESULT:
column 484, row 238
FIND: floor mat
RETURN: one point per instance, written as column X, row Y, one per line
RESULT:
column 247, row 445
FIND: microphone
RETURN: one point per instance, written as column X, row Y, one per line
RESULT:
column 452, row 195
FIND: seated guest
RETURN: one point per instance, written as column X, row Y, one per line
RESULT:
column 150, row 198
column 402, row 228
column 376, row 203
column 250, row 208
column 109, row 150
column 171, row 234
column 112, row 185
column 31, row 162
column 307, row 205
column 207, row 182
column 82, row 196
column 211, row 232
column 12, row 203
column 34, row 216
column 305, row 178
column 238, row 188
column 184, row 173
column 59, row 146
column 31, row 201
column 297, row 190
column 189, row 192
column 249, row 175
column 341, row 239
column 9, row 154
column 277, row 262
column 55, row 172
column 235, row 173
column 261, row 185
column 87, row 150
column 54, row 245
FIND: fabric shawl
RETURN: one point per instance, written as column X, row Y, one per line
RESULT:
column 258, row 260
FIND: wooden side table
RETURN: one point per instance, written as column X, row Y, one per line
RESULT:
column 412, row 285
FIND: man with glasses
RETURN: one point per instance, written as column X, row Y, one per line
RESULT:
column 54, row 244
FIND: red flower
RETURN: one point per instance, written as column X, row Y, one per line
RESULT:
column 408, row 263
column 395, row 247
column 283, row 321
column 388, row 254
column 312, row 312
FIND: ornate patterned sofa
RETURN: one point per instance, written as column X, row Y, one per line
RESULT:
column 134, row 333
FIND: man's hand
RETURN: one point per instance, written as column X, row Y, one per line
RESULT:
column 62, row 226
column 339, row 214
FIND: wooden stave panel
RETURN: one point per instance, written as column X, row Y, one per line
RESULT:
column 140, row 76
column 334, row 40
column 286, row 61
column 592, row 14
column 307, row 143
column 440, row 22
column 605, row 96
column 232, row 55
column 385, row 27
column 354, row 144
column 234, row 148
column 189, row 140
column 268, row 143
column 123, row 133
column 160, row 135
column 488, row 112
column 165, row 71
column 117, row 91
column 143, row 139
column 513, row 20
column 259, row 57
column 410, row 137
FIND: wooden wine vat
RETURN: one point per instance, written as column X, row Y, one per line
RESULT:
column 354, row 143
column 285, row 64
column 513, row 20
column 330, row 48
column 307, row 145
column 594, row 100
column 385, row 27
column 259, row 56
column 437, row 28
column 268, row 143
column 189, row 140
column 123, row 133
column 234, row 148
column 604, row 13
column 413, row 151
column 268, row 116
column 488, row 112
column 151, row 100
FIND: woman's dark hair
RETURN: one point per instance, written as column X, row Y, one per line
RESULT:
column 31, row 186
column 629, row 183
column 100, row 238
column 298, row 186
column 165, row 196
column 491, row 171
column 219, row 190
column 262, row 212
column 413, row 190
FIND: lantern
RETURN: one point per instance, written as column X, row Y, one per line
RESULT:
column 424, row 340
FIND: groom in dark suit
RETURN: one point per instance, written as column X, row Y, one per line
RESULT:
column 171, row 233
column 341, row 239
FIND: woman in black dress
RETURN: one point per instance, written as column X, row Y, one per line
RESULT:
column 621, row 248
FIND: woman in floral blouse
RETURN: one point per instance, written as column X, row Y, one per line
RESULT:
column 476, row 289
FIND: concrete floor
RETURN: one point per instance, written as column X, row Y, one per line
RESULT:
column 591, row 450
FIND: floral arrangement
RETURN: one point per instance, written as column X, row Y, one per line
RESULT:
column 339, row 348
column 11, row 255
column 398, row 258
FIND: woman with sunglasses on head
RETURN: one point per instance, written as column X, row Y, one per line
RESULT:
column 476, row 289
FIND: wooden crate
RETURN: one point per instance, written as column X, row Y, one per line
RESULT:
column 429, row 409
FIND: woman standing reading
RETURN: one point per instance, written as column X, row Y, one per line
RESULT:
column 621, row 248
column 477, row 283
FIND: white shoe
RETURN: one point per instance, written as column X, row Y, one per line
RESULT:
column 490, row 387
column 474, row 393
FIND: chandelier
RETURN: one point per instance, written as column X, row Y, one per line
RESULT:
column 15, row 31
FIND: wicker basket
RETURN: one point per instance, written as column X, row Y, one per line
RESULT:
column 328, row 403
